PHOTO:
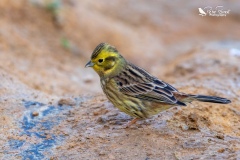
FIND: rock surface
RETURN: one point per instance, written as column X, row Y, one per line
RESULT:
column 53, row 108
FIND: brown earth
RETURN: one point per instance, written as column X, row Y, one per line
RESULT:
column 53, row 108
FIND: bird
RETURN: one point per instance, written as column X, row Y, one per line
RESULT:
column 133, row 90
column 201, row 12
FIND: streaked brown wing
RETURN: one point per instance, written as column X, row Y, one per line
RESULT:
column 137, row 82
column 150, row 92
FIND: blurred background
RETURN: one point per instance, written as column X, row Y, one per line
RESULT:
column 46, row 43
column 51, row 107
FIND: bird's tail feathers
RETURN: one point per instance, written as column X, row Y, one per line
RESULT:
column 212, row 99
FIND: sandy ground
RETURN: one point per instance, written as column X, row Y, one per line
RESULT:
column 51, row 107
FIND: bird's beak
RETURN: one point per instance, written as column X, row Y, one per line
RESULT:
column 89, row 64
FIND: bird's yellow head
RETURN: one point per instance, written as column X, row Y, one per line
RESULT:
column 106, row 60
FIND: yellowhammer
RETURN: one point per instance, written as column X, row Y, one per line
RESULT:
column 133, row 90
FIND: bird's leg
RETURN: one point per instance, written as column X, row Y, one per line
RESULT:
column 132, row 122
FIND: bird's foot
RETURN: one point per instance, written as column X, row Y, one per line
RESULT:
column 132, row 122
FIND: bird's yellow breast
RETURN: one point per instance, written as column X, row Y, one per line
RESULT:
column 130, row 105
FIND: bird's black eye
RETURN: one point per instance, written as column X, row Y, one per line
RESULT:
column 100, row 60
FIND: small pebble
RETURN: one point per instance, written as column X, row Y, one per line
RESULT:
column 221, row 150
column 35, row 114
column 67, row 101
